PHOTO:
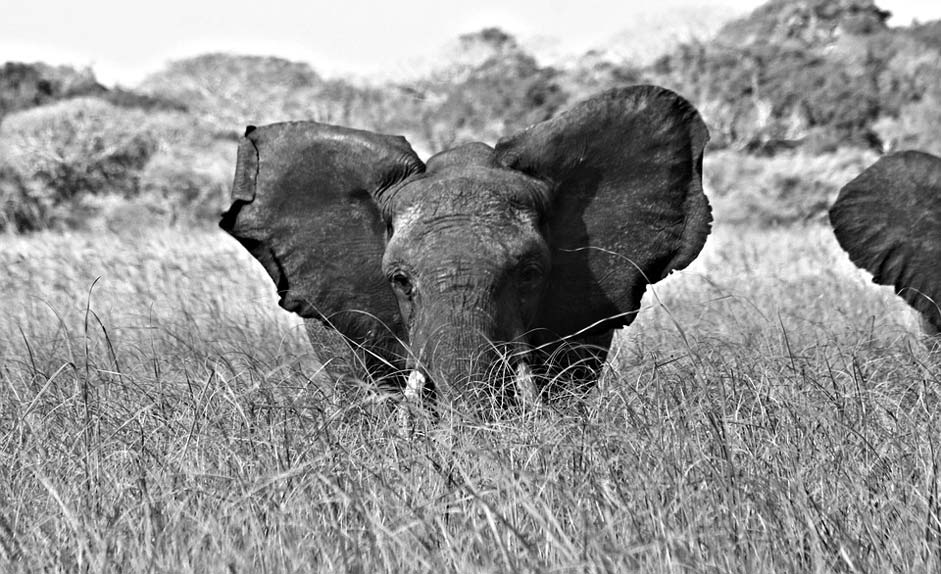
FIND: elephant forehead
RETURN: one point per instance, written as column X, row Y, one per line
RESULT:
column 482, row 219
column 470, row 189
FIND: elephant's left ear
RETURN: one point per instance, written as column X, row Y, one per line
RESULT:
column 627, row 207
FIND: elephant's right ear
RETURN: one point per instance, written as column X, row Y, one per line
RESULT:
column 306, row 205
column 889, row 221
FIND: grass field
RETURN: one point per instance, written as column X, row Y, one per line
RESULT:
column 769, row 411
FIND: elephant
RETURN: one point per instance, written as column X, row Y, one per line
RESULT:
column 497, row 272
column 889, row 221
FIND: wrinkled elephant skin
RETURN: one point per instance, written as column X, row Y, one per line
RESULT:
column 498, row 269
column 889, row 221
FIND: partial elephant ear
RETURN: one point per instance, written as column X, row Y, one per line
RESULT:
column 305, row 205
column 889, row 221
column 627, row 207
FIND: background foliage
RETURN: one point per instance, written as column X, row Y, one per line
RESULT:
column 795, row 81
column 769, row 411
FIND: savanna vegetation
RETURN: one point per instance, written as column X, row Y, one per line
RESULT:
column 770, row 410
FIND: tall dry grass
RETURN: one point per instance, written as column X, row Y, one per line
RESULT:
column 769, row 411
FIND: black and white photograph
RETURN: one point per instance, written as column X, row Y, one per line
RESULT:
column 495, row 287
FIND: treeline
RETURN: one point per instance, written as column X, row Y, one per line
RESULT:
column 806, row 75
column 815, row 73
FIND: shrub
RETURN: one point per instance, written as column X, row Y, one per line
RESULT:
column 917, row 127
column 228, row 92
column 54, row 156
column 915, row 74
column 787, row 188
column 21, row 209
column 24, row 86
column 188, row 181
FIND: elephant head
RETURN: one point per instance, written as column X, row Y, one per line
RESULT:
column 889, row 221
column 520, row 251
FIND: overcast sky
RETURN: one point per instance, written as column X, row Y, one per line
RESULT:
column 123, row 40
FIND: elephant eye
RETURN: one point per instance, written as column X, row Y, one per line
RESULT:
column 402, row 283
column 530, row 274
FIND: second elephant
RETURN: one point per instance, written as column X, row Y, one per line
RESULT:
column 889, row 221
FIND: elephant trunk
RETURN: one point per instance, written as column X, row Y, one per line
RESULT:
column 463, row 359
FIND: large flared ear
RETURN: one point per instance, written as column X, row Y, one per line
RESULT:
column 306, row 204
column 889, row 221
column 627, row 206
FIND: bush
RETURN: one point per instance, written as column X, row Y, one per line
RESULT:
column 917, row 127
column 787, row 188
column 86, row 163
column 496, row 98
column 229, row 92
column 20, row 209
column 24, row 86
column 188, row 182
column 54, row 156
column 916, row 75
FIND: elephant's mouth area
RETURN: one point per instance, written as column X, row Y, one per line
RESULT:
column 502, row 386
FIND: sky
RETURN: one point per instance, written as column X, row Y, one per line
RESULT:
column 123, row 41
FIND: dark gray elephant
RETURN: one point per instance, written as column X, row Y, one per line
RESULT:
column 889, row 221
column 486, row 265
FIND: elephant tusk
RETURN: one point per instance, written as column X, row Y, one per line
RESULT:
column 415, row 385
column 525, row 385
